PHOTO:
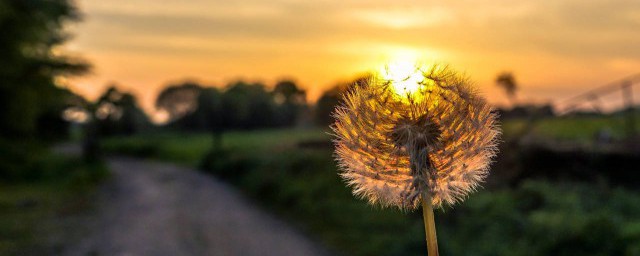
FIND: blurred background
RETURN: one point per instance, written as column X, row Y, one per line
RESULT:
column 242, row 92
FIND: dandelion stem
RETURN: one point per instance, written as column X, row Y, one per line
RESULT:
column 429, row 224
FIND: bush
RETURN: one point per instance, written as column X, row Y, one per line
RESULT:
column 541, row 218
column 226, row 165
column 32, row 162
column 535, row 218
column 19, row 161
column 135, row 148
column 37, row 196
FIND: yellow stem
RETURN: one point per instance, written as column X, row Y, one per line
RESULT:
column 429, row 224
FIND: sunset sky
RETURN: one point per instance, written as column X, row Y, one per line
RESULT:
column 555, row 49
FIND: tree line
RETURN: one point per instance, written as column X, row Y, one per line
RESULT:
column 192, row 107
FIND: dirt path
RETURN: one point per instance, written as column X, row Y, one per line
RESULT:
column 151, row 208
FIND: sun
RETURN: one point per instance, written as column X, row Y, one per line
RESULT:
column 404, row 75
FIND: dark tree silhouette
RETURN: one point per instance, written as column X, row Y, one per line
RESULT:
column 178, row 100
column 286, row 91
column 209, row 115
column 509, row 85
column 31, row 104
column 28, row 66
column 51, row 125
column 118, row 113
column 240, row 105
column 289, row 101
column 247, row 106
column 332, row 98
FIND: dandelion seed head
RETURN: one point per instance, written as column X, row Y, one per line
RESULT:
column 392, row 145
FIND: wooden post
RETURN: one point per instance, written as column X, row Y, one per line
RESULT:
column 627, row 94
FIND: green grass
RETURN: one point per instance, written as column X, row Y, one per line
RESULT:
column 189, row 149
column 29, row 209
column 579, row 129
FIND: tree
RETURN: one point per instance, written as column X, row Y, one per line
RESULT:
column 286, row 91
column 508, row 83
column 247, row 106
column 30, row 102
column 209, row 115
column 28, row 66
column 178, row 100
column 50, row 124
column 331, row 98
column 118, row 113
column 289, row 100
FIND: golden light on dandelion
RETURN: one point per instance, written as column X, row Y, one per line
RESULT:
column 412, row 135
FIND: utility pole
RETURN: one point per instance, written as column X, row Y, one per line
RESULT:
column 627, row 95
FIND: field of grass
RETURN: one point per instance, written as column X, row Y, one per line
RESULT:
column 189, row 149
column 29, row 208
column 292, row 172
column 578, row 129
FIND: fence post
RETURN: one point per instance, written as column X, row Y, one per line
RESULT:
column 627, row 94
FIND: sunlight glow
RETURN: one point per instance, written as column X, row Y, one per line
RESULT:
column 404, row 75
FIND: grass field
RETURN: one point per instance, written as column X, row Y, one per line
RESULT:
column 189, row 149
column 292, row 172
column 575, row 129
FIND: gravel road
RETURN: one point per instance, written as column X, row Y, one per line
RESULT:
column 151, row 208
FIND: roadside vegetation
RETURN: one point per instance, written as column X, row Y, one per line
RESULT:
column 34, row 200
column 292, row 173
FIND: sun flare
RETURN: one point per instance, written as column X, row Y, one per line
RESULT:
column 405, row 76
